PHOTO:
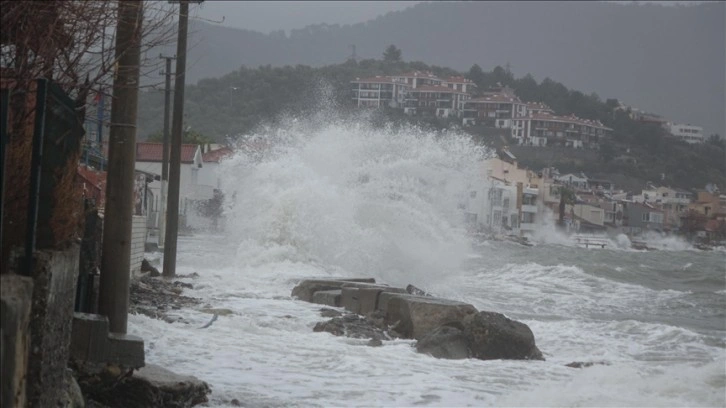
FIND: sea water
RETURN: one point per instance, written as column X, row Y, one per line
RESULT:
column 336, row 198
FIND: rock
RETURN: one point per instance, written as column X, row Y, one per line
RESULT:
column 147, row 267
column 492, row 336
column 235, row 403
column 326, row 312
column 183, row 285
column 351, row 325
column 305, row 289
column 445, row 342
column 416, row 291
column 374, row 343
column 582, row 364
column 151, row 386
column 72, row 395
column 416, row 316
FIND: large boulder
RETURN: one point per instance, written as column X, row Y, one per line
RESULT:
column 305, row 289
column 416, row 316
column 445, row 342
column 492, row 336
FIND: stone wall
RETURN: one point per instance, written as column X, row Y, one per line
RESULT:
column 54, row 275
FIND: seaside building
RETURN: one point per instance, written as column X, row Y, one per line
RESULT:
column 542, row 128
column 685, row 133
column 495, row 108
column 380, row 91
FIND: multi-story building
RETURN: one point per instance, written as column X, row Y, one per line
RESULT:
column 417, row 93
column 640, row 217
column 686, row 133
column 380, row 91
column 434, row 100
column 546, row 129
column 494, row 108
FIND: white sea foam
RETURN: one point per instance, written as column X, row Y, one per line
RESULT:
column 337, row 198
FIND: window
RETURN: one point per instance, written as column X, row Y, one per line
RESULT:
column 646, row 217
column 472, row 194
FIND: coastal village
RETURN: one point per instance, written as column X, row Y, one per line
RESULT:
column 69, row 279
column 516, row 201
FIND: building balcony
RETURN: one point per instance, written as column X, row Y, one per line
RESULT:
column 529, row 208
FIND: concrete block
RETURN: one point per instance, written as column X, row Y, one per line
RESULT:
column 349, row 299
column 89, row 337
column 125, row 349
column 385, row 297
column 15, row 304
column 416, row 316
column 328, row 297
column 305, row 289
column 368, row 298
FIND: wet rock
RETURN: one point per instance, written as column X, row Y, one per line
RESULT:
column 416, row 291
column 147, row 267
column 235, row 403
column 374, row 343
column 492, row 336
column 220, row 312
column 183, row 285
column 156, row 297
column 583, row 364
column 416, row 316
column 445, row 342
column 151, row 386
column 351, row 325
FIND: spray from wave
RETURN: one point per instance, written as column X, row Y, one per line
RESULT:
column 348, row 196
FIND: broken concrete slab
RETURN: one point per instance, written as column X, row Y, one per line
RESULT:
column 416, row 316
column 305, row 289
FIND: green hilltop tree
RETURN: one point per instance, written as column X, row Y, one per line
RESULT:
column 392, row 54
column 189, row 136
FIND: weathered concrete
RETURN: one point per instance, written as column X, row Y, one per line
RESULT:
column 349, row 299
column 55, row 273
column 368, row 298
column 15, row 303
column 385, row 297
column 327, row 297
column 416, row 316
column 92, row 342
column 493, row 336
column 305, row 289
column 445, row 342
column 353, row 293
column 352, row 325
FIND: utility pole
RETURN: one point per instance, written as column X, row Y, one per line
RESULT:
column 165, row 153
column 172, row 215
column 116, row 251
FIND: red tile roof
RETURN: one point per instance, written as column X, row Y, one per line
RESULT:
column 418, row 74
column 215, row 156
column 152, row 152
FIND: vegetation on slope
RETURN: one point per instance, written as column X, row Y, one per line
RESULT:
column 222, row 108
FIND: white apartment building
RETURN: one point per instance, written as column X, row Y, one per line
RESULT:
column 686, row 133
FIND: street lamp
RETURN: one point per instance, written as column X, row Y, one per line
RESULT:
column 231, row 88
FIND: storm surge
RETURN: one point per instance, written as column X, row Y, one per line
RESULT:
column 346, row 195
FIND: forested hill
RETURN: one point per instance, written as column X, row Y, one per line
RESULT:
column 237, row 102
column 665, row 59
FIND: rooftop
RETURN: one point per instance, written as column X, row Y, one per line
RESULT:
column 152, row 152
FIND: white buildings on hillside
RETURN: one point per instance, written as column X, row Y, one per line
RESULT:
column 686, row 133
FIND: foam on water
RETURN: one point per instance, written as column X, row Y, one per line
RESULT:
column 330, row 197
column 369, row 201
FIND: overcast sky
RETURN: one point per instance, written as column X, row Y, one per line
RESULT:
column 267, row 16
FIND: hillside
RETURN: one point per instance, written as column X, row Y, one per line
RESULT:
column 668, row 60
column 238, row 102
